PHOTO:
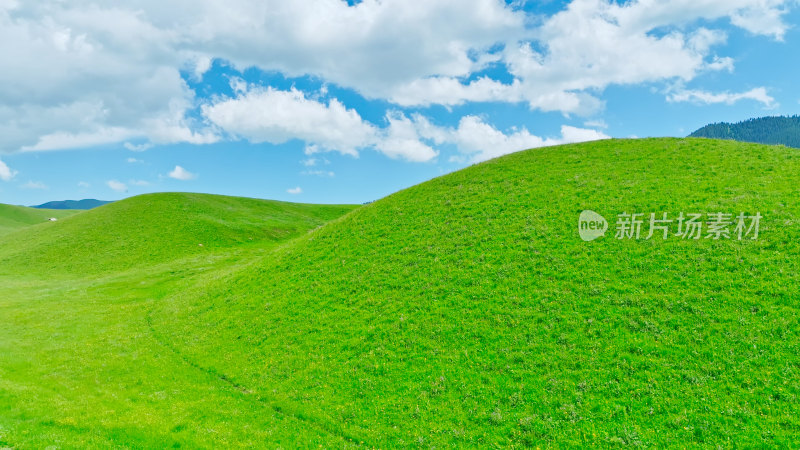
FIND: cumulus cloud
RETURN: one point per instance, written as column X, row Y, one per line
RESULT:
column 87, row 73
column 276, row 116
column 593, row 44
column 117, row 185
column 179, row 173
column 295, row 190
column 451, row 91
column 371, row 45
column 479, row 141
column 401, row 140
column 420, row 53
column 6, row 173
column 762, row 17
column 73, row 78
column 758, row 94
column 133, row 161
column 482, row 141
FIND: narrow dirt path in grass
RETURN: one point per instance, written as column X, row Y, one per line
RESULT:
column 254, row 396
column 81, row 366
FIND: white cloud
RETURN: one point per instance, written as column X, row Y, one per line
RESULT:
column 117, row 185
column 650, row 14
column 593, row 44
column 137, row 147
column 371, row 46
column 34, row 185
column 139, row 183
column 61, row 140
column 482, row 141
column 202, row 64
column 720, row 64
column 83, row 185
column 133, row 161
column 758, row 94
column 87, row 73
column 276, row 116
column 173, row 127
column 179, row 173
column 419, row 53
column 295, row 190
column 571, row 135
column 401, row 140
column 451, row 91
column 479, row 141
column 6, row 173
column 312, row 162
column 762, row 17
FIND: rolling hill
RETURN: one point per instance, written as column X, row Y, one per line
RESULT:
column 466, row 311
column 154, row 228
column 462, row 312
column 87, row 203
column 764, row 130
column 13, row 218
column 75, row 346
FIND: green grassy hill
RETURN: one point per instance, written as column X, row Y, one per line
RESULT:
column 462, row 312
column 154, row 228
column 467, row 311
column 12, row 218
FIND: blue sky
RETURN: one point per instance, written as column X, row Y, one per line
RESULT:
column 326, row 101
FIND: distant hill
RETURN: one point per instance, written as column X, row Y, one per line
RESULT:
column 765, row 130
column 88, row 203
column 13, row 218
column 155, row 228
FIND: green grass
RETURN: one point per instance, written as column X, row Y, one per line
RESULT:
column 13, row 218
column 154, row 228
column 81, row 366
column 462, row 312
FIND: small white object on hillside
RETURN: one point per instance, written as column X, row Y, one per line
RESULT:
column 52, row 219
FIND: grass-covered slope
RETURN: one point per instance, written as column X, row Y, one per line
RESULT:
column 466, row 311
column 154, row 228
column 12, row 218
column 80, row 365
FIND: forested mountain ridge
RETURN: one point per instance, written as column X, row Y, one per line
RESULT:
column 764, row 130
